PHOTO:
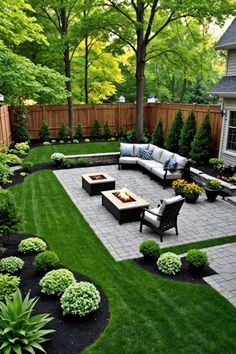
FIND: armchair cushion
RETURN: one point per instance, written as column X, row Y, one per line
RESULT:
column 151, row 217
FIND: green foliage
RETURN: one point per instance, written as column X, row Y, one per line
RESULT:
column 197, row 258
column 96, row 129
column 56, row 281
column 5, row 174
column 69, row 163
column 19, row 147
column 58, row 158
column 26, row 166
column 187, row 134
column 84, row 161
column 12, row 159
column 213, row 183
column 11, row 264
column 10, row 218
column 8, row 285
column 63, row 132
column 21, row 127
column 20, row 332
column 3, row 149
column 80, row 299
column 202, row 144
column 158, row 135
column 131, row 135
column 79, row 132
column 217, row 164
column 46, row 260
column 169, row 263
column 150, row 249
column 106, row 130
column 173, row 134
column 32, row 244
column 44, row 131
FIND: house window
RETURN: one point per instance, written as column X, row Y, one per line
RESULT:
column 231, row 141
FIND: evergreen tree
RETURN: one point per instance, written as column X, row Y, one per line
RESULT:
column 173, row 134
column 96, row 129
column 202, row 143
column 187, row 134
column 158, row 135
column 106, row 130
column 21, row 127
column 63, row 132
column 44, row 132
column 79, row 132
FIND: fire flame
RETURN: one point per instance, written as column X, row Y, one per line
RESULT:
column 123, row 195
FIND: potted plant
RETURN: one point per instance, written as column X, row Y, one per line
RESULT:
column 212, row 189
column 190, row 191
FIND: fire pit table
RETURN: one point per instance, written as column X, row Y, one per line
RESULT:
column 94, row 183
column 123, row 204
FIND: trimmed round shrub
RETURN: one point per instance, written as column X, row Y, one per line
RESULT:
column 197, row 258
column 46, row 260
column 11, row 264
column 169, row 263
column 8, row 285
column 150, row 249
column 80, row 299
column 56, row 281
column 32, row 244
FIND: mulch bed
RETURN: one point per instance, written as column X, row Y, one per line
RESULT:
column 217, row 174
column 185, row 274
column 73, row 334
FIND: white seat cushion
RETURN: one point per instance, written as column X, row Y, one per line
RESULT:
column 149, row 164
column 127, row 148
column 159, row 172
column 157, row 153
column 128, row 160
column 138, row 146
column 154, row 219
column 166, row 155
column 181, row 161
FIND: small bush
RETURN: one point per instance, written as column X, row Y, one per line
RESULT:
column 5, row 173
column 20, row 332
column 26, row 166
column 44, row 131
column 217, row 164
column 197, row 258
column 58, row 158
column 96, row 129
column 46, row 143
column 56, row 281
column 3, row 149
column 21, row 126
column 46, row 260
column 150, row 249
column 10, row 218
column 8, row 285
column 158, row 135
column 80, row 299
column 12, row 159
column 11, row 264
column 87, row 140
column 63, row 132
column 84, row 161
column 22, row 147
column 32, row 244
column 79, row 132
column 106, row 130
column 69, row 163
column 169, row 263
column 75, row 141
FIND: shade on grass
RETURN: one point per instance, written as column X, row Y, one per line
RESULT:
column 148, row 314
column 42, row 154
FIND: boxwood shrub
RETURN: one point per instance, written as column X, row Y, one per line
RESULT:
column 80, row 299
column 8, row 285
column 150, row 249
column 46, row 260
column 197, row 258
column 11, row 264
column 169, row 263
column 32, row 244
column 56, row 281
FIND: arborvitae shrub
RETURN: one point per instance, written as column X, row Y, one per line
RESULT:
column 21, row 127
column 44, row 132
column 158, row 135
column 79, row 132
column 106, row 130
column 202, row 143
column 96, row 129
column 10, row 218
column 63, row 132
column 173, row 134
column 187, row 135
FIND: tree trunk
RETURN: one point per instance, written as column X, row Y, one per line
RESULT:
column 86, row 71
column 183, row 90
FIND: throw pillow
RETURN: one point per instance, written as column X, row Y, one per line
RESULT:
column 170, row 164
column 145, row 154
column 126, row 151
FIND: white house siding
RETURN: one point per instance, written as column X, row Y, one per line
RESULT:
column 231, row 63
column 228, row 156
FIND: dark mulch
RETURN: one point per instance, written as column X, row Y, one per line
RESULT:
column 185, row 274
column 218, row 174
column 73, row 334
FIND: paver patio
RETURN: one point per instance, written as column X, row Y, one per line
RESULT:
column 196, row 222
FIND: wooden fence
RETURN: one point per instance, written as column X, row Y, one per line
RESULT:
column 118, row 116
column 5, row 126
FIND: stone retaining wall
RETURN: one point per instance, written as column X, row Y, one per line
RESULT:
column 109, row 158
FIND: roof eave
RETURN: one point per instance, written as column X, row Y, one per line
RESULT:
column 223, row 94
column 225, row 46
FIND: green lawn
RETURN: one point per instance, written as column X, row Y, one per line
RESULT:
column 42, row 154
column 148, row 314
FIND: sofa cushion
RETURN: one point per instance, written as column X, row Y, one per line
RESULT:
column 181, row 161
column 128, row 160
column 157, row 152
column 139, row 146
column 159, row 172
column 165, row 155
column 126, row 149
column 149, row 164
column 145, row 154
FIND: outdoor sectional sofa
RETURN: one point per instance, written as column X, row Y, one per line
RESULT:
column 154, row 160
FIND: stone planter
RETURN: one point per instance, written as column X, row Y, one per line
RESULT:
column 211, row 193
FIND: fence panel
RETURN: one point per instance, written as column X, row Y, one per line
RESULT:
column 5, row 126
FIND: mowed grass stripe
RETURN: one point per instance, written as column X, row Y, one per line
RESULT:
column 148, row 314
